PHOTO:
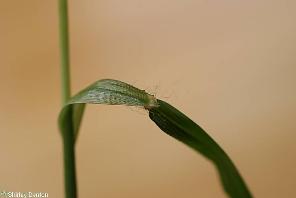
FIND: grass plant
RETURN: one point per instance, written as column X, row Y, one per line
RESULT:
column 166, row 117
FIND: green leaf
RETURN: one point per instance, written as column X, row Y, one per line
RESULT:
column 176, row 124
column 166, row 117
column 106, row 91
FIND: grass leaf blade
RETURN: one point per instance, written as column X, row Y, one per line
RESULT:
column 167, row 118
column 176, row 124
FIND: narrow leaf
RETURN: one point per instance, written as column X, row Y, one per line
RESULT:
column 166, row 117
column 176, row 124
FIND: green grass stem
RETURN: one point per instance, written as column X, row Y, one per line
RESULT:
column 68, row 132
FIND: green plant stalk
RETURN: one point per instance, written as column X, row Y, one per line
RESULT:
column 64, row 50
column 68, row 132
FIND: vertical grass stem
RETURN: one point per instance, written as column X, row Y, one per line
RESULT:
column 68, row 133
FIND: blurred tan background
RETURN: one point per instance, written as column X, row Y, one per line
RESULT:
column 229, row 65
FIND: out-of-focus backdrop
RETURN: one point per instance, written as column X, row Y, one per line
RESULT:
column 229, row 65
